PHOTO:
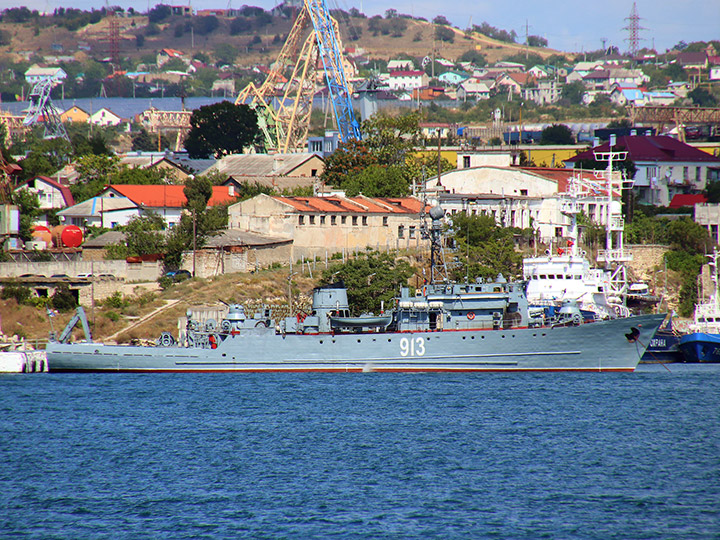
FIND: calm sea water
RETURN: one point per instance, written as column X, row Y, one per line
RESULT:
column 362, row 456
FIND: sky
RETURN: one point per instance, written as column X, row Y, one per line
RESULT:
column 568, row 26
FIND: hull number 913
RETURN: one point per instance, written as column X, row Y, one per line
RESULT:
column 412, row 346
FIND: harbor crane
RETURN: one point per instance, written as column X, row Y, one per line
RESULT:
column 284, row 100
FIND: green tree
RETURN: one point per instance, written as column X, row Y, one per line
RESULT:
column 196, row 224
column 483, row 249
column 557, row 134
column 46, row 157
column 377, row 181
column 573, row 92
column 221, row 129
column 144, row 234
column 391, row 138
column 350, row 158
column 29, row 207
column 371, row 278
column 702, row 97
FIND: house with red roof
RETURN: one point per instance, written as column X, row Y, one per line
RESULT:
column 326, row 225
column 118, row 204
column 51, row 195
column 665, row 166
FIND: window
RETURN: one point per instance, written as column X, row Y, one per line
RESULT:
column 385, row 221
column 312, row 220
column 343, row 220
column 686, row 173
column 411, row 232
column 466, row 162
column 354, row 221
column 322, row 220
column 698, row 174
column 524, row 192
column 301, row 220
column 401, row 231
column 333, row 220
column 558, row 232
column 313, row 172
column 364, row 221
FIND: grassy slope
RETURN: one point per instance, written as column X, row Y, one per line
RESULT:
column 24, row 38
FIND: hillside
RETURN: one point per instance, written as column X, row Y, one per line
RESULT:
column 267, row 286
column 41, row 39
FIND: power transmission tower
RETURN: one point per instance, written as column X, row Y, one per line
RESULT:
column 633, row 29
column 113, row 38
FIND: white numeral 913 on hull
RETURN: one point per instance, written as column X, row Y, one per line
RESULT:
column 412, row 346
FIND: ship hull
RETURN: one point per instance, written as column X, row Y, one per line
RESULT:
column 599, row 346
column 700, row 347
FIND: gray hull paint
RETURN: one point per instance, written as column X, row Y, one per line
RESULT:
column 599, row 346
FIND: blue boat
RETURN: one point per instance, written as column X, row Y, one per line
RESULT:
column 702, row 344
column 664, row 347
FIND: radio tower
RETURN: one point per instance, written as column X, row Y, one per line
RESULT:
column 633, row 29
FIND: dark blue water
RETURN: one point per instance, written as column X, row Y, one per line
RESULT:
column 361, row 456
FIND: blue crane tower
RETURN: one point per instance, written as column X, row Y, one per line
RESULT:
column 331, row 57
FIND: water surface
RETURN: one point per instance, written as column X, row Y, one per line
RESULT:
column 362, row 455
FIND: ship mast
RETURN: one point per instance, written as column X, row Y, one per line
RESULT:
column 614, row 255
column 438, row 270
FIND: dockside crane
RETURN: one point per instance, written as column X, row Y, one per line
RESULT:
column 284, row 100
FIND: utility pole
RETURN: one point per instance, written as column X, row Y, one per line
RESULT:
column 194, row 238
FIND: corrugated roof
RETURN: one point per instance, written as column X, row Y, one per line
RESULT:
column 97, row 205
column 167, row 196
column 650, row 148
column 260, row 164
column 687, row 199
column 236, row 237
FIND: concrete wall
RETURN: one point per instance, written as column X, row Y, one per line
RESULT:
column 646, row 259
column 210, row 263
column 146, row 271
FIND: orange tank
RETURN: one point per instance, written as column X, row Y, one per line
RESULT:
column 42, row 233
column 67, row 236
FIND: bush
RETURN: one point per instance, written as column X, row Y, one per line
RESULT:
column 20, row 293
column 165, row 282
column 114, row 317
column 63, row 299
column 116, row 301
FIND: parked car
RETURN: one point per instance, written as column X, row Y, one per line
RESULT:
column 178, row 275
column 85, row 275
column 63, row 276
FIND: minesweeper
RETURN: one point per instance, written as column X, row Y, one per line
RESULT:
column 443, row 326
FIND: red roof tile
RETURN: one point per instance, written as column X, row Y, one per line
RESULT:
column 168, row 196
column 360, row 204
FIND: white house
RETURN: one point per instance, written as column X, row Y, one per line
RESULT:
column 407, row 80
column 472, row 90
column 36, row 73
column 520, row 197
column 51, row 195
column 105, row 117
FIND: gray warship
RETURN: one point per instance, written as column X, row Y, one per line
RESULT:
column 474, row 326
